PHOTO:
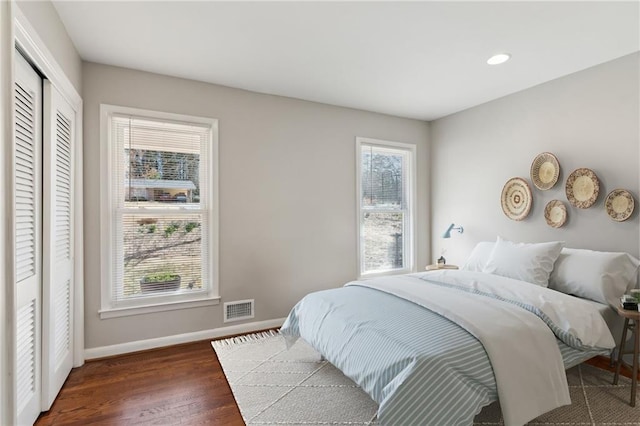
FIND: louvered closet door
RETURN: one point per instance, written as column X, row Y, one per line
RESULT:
column 57, row 294
column 27, row 251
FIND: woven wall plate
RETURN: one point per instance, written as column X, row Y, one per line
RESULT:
column 545, row 170
column 555, row 213
column 619, row 204
column 582, row 188
column 516, row 198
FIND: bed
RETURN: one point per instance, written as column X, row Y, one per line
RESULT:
column 436, row 347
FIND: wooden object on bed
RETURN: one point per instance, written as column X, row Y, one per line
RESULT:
column 628, row 316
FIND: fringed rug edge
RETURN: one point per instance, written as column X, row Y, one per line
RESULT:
column 250, row 338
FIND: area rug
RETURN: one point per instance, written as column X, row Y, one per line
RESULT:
column 276, row 386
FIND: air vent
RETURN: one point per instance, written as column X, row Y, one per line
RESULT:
column 238, row 310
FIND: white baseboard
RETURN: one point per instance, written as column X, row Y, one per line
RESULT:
column 141, row 345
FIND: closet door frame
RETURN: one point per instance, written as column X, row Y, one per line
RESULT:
column 17, row 32
column 32, row 46
column 6, row 252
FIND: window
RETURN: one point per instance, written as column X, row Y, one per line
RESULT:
column 159, row 211
column 385, row 182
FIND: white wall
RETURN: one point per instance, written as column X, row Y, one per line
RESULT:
column 587, row 119
column 287, row 195
column 45, row 21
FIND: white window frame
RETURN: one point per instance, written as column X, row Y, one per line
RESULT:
column 409, row 240
column 161, row 302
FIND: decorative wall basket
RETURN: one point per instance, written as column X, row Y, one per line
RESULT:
column 619, row 205
column 516, row 198
column 545, row 170
column 582, row 188
column 555, row 213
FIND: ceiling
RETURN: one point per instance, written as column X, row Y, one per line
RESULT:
column 421, row 60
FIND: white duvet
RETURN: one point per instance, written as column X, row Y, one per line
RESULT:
column 577, row 317
column 515, row 321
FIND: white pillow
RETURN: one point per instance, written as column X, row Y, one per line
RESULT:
column 595, row 275
column 479, row 257
column 532, row 263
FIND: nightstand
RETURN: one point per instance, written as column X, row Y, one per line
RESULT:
column 438, row 267
column 633, row 316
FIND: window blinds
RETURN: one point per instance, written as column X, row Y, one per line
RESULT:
column 159, row 204
column 384, row 208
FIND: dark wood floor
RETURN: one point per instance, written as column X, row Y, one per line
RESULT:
column 605, row 364
column 176, row 385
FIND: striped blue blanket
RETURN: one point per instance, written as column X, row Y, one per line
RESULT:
column 421, row 368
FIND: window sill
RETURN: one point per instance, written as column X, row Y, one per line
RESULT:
column 370, row 275
column 157, row 307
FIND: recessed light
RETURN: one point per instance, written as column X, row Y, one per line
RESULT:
column 500, row 58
